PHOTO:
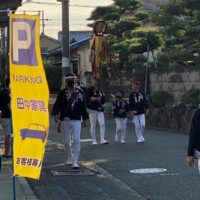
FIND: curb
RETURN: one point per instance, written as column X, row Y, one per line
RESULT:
column 25, row 189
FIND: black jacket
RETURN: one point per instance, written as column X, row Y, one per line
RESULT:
column 5, row 103
column 72, row 108
column 95, row 105
column 119, row 104
column 138, row 102
column 194, row 138
column 81, row 86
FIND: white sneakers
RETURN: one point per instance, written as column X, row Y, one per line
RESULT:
column 103, row 141
column 116, row 138
column 141, row 140
column 69, row 160
column 94, row 142
column 75, row 166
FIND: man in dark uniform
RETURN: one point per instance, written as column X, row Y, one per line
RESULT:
column 70, row 105
column 194, row 140
column 5, row 119
column 79, row 84
column 138, row 108
column 95, row 99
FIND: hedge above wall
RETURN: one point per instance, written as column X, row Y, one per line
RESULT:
column 53, row 75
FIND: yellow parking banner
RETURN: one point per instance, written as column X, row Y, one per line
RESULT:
column 29, row 95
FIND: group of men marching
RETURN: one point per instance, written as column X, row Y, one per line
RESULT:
column 75, row 104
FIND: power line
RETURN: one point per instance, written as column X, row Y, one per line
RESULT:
column 58, row 4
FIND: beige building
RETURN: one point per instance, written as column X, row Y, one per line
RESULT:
column 79, row 54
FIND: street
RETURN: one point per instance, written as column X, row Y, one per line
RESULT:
column 105, row 169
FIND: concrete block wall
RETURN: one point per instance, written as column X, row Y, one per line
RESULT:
column 176, row 82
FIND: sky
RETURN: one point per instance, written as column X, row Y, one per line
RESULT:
column 79, row 11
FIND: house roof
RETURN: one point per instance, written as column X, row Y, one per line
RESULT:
column 76, row 36
column 152, row 6
column 48, row 37
column 7, row 4
column 75, row 45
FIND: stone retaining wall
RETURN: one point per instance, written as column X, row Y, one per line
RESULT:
column 175, row 82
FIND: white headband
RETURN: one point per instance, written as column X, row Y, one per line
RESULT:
column 70, row 77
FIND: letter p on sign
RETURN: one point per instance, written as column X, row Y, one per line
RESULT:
column 23, row 42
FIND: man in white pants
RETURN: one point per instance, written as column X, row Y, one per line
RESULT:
column 71, row 106
column 95, row 99
column 138, row 108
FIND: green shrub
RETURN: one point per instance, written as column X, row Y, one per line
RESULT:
column 191, row 97
column 161, row 98
column 53, row 74
column 137, row 61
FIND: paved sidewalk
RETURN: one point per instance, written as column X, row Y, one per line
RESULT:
column 23, row 190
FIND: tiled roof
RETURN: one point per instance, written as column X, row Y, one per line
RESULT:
column 151, row 6
column 75, row 45
column 76, row 36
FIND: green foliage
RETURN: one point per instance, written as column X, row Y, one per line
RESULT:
column 179, row 25
column 53, row 75
column 119, row 28
column 137, row 61
column 162, row 61
column 141, row 40
column 127, row 6
column 161, row 99
column 142, row 16
column 178, row 56
column 191, row 97
column 113, row 16
column 122, row 18
column 100, row 11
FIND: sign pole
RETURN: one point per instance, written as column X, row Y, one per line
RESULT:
column 11, row 134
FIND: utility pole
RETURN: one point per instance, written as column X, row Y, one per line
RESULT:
column 43, row 24
column 146, row 69
column 65, row 40
column 3, row 46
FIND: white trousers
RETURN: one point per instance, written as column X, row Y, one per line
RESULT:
column 94, row 117
column 72, row 127
column 121, row 124
column 139, row 121
column 197, row 155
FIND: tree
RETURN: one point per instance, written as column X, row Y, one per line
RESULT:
column 145, row 41
column 179, row 25
column 122, row 17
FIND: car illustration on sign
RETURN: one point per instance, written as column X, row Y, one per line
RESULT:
column 35, row 131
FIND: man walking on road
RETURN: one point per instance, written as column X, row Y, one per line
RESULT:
column 79, row 84
column 138, row 108
column 95, row 99
column 5, row 118
column 194, row 140
column 71, row 106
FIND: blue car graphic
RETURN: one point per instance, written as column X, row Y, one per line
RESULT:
column 36, row 131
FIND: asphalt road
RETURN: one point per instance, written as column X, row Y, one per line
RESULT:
column 111, row 164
